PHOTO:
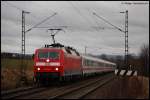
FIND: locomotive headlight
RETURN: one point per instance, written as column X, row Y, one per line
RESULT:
column 56, row 68
column 47, row 60
column 38, row 68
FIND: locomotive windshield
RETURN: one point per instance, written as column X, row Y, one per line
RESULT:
column 50, row 55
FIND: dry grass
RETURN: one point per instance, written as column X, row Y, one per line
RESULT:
column 15, row 63
column 123, row 88
column 145, row 87
column 10, row 77
column 133, row 87
column 10, row 72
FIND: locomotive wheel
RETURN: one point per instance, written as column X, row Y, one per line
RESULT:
column 36, row 82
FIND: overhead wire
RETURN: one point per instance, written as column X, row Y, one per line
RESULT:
column 97, row 24
column 79, row 12
column 87, row 18
column 20, row 9
column 41, row 22
column 62, row 26
column 14, row 6
column 31, row 15
column 108, row 22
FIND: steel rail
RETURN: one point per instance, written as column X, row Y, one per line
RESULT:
column 78, row 88
column 21, row 92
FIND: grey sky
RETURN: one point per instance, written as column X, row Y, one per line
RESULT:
column 80, row 22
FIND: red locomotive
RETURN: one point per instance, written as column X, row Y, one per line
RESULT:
column 59, row 62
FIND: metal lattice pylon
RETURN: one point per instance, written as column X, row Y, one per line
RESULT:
column 126, row 38
column 23, row 77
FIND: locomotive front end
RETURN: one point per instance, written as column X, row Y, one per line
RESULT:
column 47, row 64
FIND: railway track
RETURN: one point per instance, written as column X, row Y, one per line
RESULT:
column 72, row 90
column 20, row 92
column 81, row 91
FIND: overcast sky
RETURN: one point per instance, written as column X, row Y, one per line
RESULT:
column 82, row 26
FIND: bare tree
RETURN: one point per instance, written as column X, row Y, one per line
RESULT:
column 144, row 57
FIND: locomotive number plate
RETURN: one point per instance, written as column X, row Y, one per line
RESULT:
column 47, row 64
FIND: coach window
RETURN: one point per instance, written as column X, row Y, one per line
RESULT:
column 100, row 64
column 84, row 62
column 87, row 62
column 103, row 64
column 96, row 63
column 107, row 65
column 91, row 63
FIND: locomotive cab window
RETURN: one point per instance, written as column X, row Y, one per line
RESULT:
column 42, row 55
column 53, row 55
column 50, row 55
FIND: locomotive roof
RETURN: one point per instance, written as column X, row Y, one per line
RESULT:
column 96, row 59
column 66, row 49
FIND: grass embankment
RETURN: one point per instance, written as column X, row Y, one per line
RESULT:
column 132, row 87
column 10, row 72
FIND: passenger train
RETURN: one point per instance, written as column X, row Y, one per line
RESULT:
column 57, row 61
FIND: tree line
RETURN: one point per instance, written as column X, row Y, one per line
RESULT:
column 139, row 62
